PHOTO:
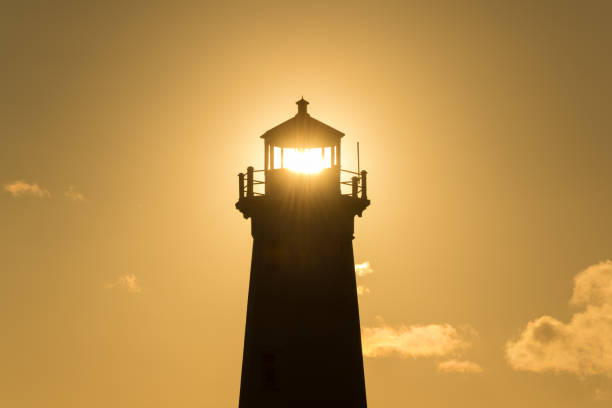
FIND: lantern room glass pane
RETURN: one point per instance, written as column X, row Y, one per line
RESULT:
column 335, row 156
column 277, row 157
column 307, row 160
column 327, row 157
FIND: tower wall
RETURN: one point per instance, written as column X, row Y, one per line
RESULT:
column 302, row 343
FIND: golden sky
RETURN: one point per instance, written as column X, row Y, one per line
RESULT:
column 486, row 131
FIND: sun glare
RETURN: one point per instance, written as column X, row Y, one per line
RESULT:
column 304, row 160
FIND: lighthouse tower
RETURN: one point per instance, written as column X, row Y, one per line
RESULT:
column 302, row 345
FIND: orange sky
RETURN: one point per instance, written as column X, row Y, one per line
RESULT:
column 486, row 132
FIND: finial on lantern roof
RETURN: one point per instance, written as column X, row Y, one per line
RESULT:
column 302, row 106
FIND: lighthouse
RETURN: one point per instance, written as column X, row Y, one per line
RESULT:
column 302, row 344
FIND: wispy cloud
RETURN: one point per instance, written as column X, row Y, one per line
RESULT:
column 583, row 346
column 603, row 394
column 459, row 366
column 73, row 194
column 431, row 340
column 414, row 341
column 363, row 269
column 20, row 188
column 126, row 282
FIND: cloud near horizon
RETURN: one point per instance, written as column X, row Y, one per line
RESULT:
column 459, row 366
column 363, row 269
column 126, row 282
column 583, row 346
column 73, row 194
column 20, row 188
column 414, row 341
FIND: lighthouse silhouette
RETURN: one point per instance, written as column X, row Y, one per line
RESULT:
column 302, row 345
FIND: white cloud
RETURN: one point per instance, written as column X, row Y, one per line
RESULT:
column 414, row 341
column 457, row 366
column 20, row 187
column 126, row 282
column 73, row 194
column 363, row 269
column 583, row 346
column 432, row 340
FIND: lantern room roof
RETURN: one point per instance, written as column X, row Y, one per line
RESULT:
column 302, row 131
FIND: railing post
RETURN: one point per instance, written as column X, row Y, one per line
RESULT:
column 364, row 185
column 240, row 186
column 355, row 185
column 250, row 181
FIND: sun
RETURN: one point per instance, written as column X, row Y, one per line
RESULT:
column 307, row 161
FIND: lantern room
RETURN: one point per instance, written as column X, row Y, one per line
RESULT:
column 302, row 144
column 302, row 156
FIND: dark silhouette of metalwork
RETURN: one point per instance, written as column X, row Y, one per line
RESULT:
column 302, row 344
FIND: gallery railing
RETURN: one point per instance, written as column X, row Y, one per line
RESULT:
column 357, row 182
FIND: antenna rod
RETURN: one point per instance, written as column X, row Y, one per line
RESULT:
column 358, row 164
